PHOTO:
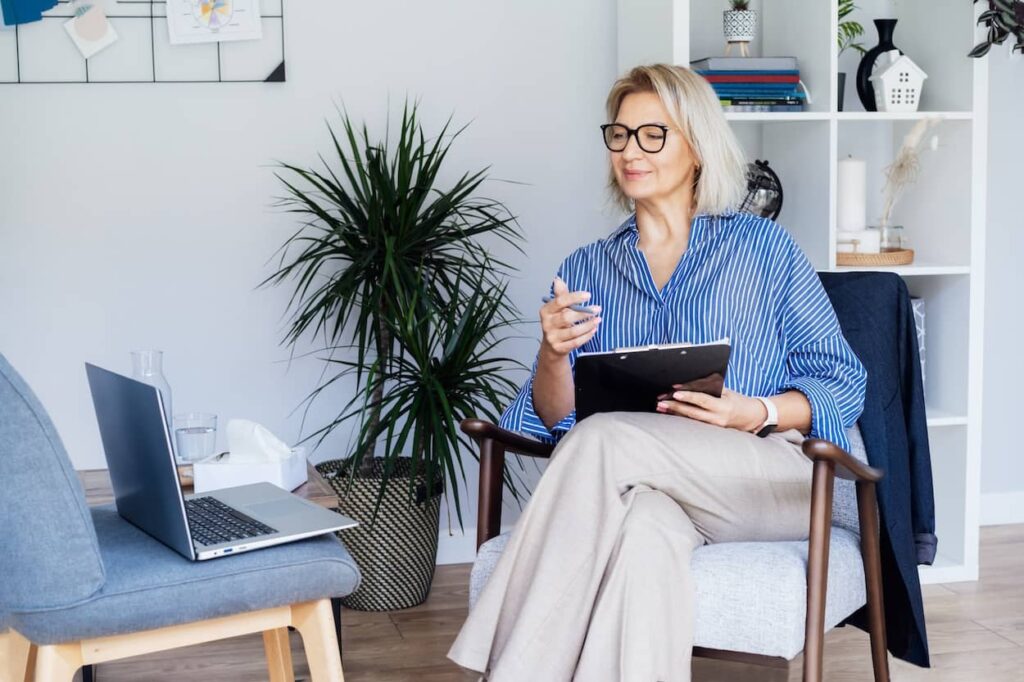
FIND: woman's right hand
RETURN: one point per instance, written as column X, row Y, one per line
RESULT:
column 564, row 328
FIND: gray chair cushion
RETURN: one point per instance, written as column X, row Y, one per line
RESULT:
column 844, row 497
column 150, row 585
column 751, row 596
column 48, row 551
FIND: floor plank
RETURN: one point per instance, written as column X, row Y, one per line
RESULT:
column 976, row 632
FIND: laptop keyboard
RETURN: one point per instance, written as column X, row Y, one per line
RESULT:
column 213, row 522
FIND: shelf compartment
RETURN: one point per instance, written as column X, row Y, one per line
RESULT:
column 935, row 210
column 938, row 418
column 798, row 152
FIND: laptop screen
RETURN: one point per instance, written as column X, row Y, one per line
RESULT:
column 137, row 443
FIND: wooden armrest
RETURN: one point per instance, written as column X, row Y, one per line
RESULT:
column 494, row 442
column 481, row 430
column 846, row 465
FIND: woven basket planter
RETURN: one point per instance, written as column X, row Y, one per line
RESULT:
column 398, row 553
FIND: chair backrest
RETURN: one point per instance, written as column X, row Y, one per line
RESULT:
column 49, row 556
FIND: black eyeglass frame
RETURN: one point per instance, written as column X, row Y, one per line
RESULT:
column 634, row 133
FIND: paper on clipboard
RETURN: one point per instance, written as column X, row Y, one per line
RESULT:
column 213, row 21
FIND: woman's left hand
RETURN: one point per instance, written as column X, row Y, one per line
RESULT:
column 733, row 410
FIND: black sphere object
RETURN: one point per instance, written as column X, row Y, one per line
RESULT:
column 865, row 90
column 764, row 191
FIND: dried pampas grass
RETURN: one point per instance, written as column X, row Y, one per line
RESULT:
column 905, row 168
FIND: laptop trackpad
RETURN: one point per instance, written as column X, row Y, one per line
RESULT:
column 275, row 509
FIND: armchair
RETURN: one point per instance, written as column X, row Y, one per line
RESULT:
column 82, row 586
column 757, row 602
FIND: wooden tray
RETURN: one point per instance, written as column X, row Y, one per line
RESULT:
column 885, row 258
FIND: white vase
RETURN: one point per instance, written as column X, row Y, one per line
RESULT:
column 739, row 25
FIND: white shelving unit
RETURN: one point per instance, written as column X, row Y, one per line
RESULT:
column 943, row 213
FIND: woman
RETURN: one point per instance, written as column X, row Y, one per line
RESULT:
column 594, row 583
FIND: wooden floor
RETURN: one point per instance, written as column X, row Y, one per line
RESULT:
column 976, row 631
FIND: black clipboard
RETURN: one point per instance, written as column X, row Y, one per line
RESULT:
column 631, row 379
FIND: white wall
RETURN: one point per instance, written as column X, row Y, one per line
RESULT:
column 1002, row 470
column 139, row 215
column 136, row 216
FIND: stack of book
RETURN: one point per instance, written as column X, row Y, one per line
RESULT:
column 754, row 83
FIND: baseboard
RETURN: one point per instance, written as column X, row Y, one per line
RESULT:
column 1001, row 508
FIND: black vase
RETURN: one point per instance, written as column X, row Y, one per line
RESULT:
column 865, row 90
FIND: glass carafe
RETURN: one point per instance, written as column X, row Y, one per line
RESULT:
column 147, row 367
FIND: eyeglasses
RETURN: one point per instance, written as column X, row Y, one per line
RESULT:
column 650, row 136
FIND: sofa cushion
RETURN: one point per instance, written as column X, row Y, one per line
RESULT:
column 150, row 585
column 751, row 596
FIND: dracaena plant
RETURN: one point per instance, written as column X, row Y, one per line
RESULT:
column 1003, row 18
column 849, row 30
column 739, row 5
column 390, row 271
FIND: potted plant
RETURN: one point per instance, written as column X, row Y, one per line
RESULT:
column 739, row 24
column 390, row 270
column 1003, row 18
column 848, row 32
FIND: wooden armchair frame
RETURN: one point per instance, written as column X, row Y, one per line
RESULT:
column 829, row 461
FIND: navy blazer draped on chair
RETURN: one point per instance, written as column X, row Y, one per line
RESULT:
column 875, row 313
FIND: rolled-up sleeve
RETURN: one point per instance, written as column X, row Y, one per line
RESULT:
column 820, row 362
column 520, row 415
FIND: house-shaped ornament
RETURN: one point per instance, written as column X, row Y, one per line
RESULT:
column 897, row 82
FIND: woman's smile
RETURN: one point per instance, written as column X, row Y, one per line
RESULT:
column 635, row 174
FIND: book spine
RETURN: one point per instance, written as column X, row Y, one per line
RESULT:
column 761, row 94
column 750, row 63
column 758, row 72
column 752, row 79
column 761, row 108
column 760, row 100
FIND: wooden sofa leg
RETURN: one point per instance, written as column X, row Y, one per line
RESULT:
column 279, row 655
column 315, row 623
column 58, row 662
column 867, row 506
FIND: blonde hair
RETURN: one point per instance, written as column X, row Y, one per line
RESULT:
column 694, row 109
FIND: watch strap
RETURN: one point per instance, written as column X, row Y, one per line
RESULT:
column 771, row 421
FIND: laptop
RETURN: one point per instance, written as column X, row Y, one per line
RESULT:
column 137, row 442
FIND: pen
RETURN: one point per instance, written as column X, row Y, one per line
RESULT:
column 578, row 307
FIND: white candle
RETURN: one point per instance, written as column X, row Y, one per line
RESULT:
column 851, row 197
column 859, row 241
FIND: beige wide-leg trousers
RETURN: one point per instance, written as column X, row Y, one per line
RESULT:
column 595, row 583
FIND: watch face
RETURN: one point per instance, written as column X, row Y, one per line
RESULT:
column 766, row 430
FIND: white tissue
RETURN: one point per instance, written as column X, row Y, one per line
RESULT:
column 249, row 442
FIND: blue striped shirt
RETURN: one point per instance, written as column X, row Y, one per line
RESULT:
column 741, row 277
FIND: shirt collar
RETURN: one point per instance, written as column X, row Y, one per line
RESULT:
column 704, row 226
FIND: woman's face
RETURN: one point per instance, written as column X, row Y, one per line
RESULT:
column 652, row 176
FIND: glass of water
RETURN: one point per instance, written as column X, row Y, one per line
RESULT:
column 195, row 435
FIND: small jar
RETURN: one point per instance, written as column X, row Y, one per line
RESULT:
column 893, row 237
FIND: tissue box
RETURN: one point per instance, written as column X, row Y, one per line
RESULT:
column 215, row 473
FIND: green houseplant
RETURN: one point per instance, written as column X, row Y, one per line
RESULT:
column 390, row 269
column 1003, row 18
column 846, row 38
